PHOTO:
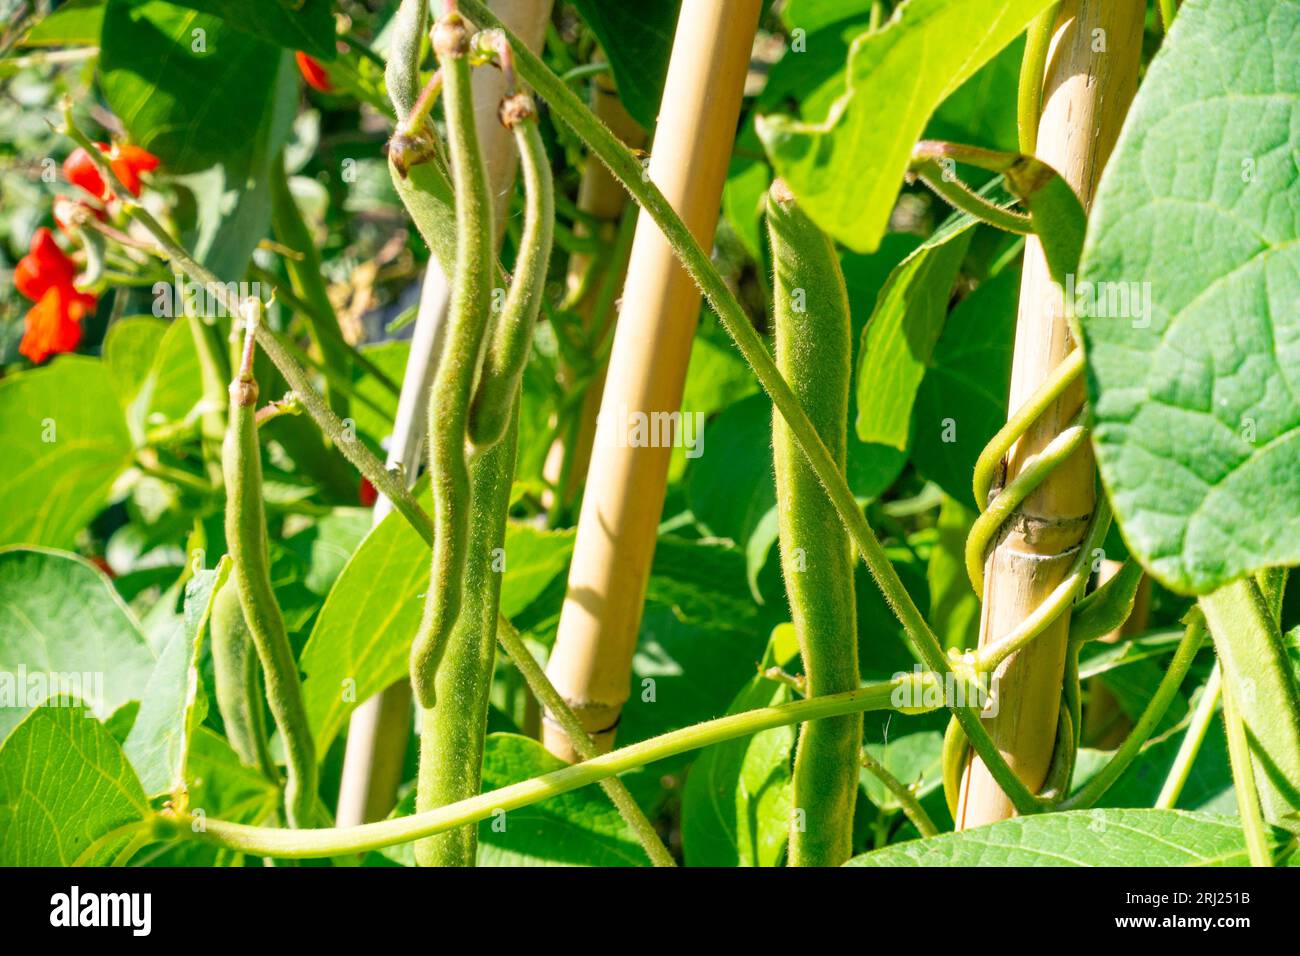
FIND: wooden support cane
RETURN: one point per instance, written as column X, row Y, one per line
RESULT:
column 621, row 507
column 1089, row 81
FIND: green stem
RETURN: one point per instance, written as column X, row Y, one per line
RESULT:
column 1029, row 96
column 960, row 196
column 1092, row 791
column 912, row 808
column 1197, row 727
column 628, row 170
column 308, row 283
column 990, row 459
column 302, row 844
column 1258, row 675
column 1243, row 778
column 1057, row 603
column 1032, row 473
column 558, row 710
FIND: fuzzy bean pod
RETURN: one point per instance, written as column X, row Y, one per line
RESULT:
column 453, row 384
column 247, row 540
column 452, row 733
column 238, row 683
column 512, row 334
column 813, row 351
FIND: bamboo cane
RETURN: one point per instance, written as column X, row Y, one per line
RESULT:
column 1089, row 80
column 380, row 727
column 625, row 490
column 602, row 197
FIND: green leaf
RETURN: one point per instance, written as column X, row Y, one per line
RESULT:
column 361, row 639
column 846, row 169
column 579, row 828
column 67, row 793
column 171, row 704
column 187, row 86
column 62, row 622
column 915, row 760
column 954, row 605
column 901, row 334
column 309, row 27
column 1195, row 384
column 154, row 369
column 637, row 36
column 1146, row 838
column 65, row 444
column 75, row 23
column 962, row 401
column 736, row 805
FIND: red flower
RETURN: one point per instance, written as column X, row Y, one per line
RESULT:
column 128, row 162
column 54, row 323
column 315, row 75
column 366, row 493
column 45, row 276
column 43, row 268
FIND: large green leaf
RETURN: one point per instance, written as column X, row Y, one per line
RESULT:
column 187, row 85
column 67, row 793
column 637, row 36
column 962, row 401
column 361, row 640
column 75, row 23
column 1079, row 838
column 900, row 336
column 846, row 169
column 60, row 616
column 736, row 806
column 65, row 444
column 171, row 704
column 306, row 25
column 1196, row 383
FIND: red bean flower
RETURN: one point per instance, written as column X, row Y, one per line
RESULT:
column 43, row 268
column 127, row 162
column 312, row 71
column 45, row 275
column 54, row 323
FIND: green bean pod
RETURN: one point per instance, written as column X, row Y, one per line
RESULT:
column 247, row 540
column 452, row 733
column 238, row 683
column 512, row 334
column 453, row 384
column 402, row 70
column 813, row 351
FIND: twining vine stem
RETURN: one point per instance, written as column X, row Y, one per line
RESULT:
column 300, row 844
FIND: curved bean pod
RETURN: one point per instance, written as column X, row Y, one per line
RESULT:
column 512, row 335
column 813, row 349
column 453, row 383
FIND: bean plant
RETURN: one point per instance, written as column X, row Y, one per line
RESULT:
column 979, row 489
